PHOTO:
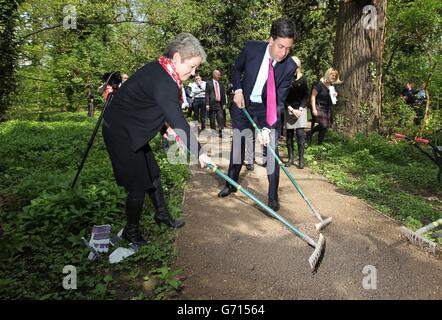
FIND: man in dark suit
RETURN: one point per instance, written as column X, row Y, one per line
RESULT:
column 216, row 101
column 261, row 77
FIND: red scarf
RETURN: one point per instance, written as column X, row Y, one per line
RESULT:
column 167, row 64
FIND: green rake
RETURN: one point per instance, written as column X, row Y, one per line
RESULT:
column 322, row 222
column 319, row 246
column 417, row 238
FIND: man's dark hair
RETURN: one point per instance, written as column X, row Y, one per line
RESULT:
column 283, row 28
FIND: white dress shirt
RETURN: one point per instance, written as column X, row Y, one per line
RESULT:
column 256, row 95
column 198, row 91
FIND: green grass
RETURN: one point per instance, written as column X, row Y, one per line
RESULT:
column 393, row 177
column 43, row 220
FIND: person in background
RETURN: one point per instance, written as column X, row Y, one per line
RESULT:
column 296, row 115
column 216, row 101
column 90, row 101
column 321, row 102
column 198, row 89
column 409, row 94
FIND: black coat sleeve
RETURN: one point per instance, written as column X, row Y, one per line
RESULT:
column 166, row 94
column 304, row 92
column 238, row 68
column 208, row 93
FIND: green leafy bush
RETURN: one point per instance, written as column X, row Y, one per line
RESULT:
column 43, row 219
column 394, row 177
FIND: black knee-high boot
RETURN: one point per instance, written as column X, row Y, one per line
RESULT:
column 134, row 206
column 300, row 139
column 312, row 131
column 289, row 141
column 321, row 135
column 161, row 212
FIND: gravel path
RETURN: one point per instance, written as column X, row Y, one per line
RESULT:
column 229, row 249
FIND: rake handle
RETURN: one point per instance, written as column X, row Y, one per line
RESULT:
column 287, row 173
column 236, row 185
column 261, row 204
column 429, row 226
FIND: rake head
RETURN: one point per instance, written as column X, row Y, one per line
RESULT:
column 419, row 240
column 321, row 225
column 316, row 258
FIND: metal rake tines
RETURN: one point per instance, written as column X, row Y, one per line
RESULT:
column 321, row 225
column 318, row 253
column 322, row 222
column 419, row 240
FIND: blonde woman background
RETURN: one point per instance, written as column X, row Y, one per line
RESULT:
column 323, row 97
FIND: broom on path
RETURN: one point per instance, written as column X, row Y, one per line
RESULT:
column 322, row 222
column 319, row 246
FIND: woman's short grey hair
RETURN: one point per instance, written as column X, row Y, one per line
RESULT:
column 187, row 46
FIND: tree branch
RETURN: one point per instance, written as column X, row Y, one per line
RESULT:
column 81, row 23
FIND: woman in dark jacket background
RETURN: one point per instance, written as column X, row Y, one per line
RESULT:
column 296, row 114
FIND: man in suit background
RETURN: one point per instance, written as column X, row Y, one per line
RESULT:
column 216, row 101
column 261, row 77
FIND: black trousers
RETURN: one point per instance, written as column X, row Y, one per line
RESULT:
column 199, row 111
column 237, row 151
column 216, row 112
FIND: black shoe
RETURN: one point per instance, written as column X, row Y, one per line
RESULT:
column 167, row 219
column 301, row 165
column 274, row 205
column 226, row 191
column 133, row 235
column 289, row 162
column 250, row 166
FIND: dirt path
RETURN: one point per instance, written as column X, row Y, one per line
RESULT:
column 229, row 249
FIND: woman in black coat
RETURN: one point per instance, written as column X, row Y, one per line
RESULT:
column 296, row 114
column 140, row 108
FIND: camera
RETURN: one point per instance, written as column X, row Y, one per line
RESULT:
column 114, row 80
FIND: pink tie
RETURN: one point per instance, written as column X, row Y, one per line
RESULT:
column 271, row 96
column 217, row 97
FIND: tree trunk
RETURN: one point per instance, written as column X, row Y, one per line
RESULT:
column 359, row 47
column 8, row 53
